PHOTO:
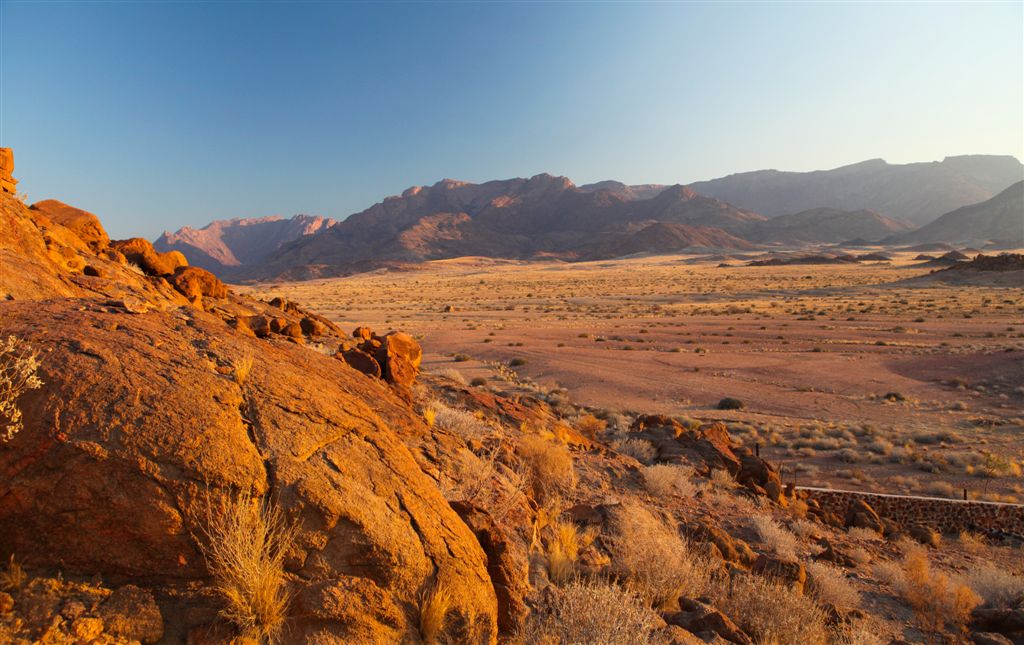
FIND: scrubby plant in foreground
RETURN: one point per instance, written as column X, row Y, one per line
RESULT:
column 549, row 465
column 772, row 613
column 244, row 543
column 18, row 366
column 590, row 613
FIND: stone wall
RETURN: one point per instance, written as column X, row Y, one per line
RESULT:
column 943, row 515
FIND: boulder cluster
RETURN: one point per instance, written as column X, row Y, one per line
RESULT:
column 394, row 357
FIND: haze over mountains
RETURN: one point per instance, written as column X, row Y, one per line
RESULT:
column 242, row 241
column 548, row 216
column 915, row 192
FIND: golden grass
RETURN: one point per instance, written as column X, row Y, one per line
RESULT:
column 772, row 613
column 937, row 600
column 245, row 542
column 549, row 465
column 435, row 602
column 14, row 577
column 563, row 549
column 430, row 416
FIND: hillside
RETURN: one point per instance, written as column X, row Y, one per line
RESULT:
column 514, row 218
column 915, row 192
column 1000, row 220
column 824, row 225
column 238, row 242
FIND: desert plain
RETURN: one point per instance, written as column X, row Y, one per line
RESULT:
column 869, row 376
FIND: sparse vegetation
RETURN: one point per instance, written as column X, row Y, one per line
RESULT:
column 435, row 603
column 549, row 465
column 243, row 367
column 18, row 366
column 775, row 536
column 13, row 577
column 590, row 613
column 245, row 542
column 669, row 479
column 729, row 403
column 639, row 449
column 772, row 613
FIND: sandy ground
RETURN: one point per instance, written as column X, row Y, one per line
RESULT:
column 811, row 351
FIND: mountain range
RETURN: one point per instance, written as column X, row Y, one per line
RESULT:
column 224, row 244
column 549, row 216
column 915, row 192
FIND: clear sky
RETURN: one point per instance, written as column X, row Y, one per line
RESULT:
column 157, row 115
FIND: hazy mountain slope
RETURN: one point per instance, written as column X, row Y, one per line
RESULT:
column 230, row 243
column 916, row 192
column 998, row 219
column 513, row 218
column 824, row 225
column 638, row 191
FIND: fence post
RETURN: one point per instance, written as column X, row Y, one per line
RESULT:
column 965, row 494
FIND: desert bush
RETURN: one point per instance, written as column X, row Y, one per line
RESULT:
column 938, row 601
column 478, row 381
column 590, row 613
column 653, row 561
column 590, row 426
column 548, row 465
column 669, row 479
column 517, row 362
column 639, row 449
column 451, row 374
column 729, row 403
column 972, row 542
column 18, row 366
column 245, row 542
column 772, row 613
column 861, row 533
column 829, row 585
column 804, row 528
column 435, row 601
column 775, row 536
column 721, row 478
column 996, row 586
column 461, row 422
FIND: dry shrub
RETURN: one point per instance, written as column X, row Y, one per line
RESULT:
column 461, row 422
column 590, row 426
column 996, row 586
column 549, row 467
column 435, row 601
column 639, row 449
column 775, row 536
column 972, row 542
column 937, row 600
column 484, row 481
column 563, row 549
column 669, row 479
column 861, row 533
column 804, row 529
column 451, row 374
column 722, row 479
column 772, row 613
column 590, row 613
column 653, row 561
column 18, row 366
column 245, row 542
column 829, row 585
column 430, row 416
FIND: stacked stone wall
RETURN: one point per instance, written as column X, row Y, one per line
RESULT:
column 943, row 515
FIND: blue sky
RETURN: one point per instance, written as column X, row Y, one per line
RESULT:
column 157, row 115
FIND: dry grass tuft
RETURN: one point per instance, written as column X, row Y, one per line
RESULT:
column 669, row 479
column 590, row 613
column 590, row 426
column 245, row 542
column 638, row 449
column 722, row 479
column 772, row 613
column 435, row 602
column 829, row 585
column 461, row 422
column 563, row 549
column 775, row 536
column 653, row 561
column 549, row 466
column 14, row 577
column 243, row 367
column 996, row 586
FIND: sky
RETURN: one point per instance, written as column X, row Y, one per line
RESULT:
column 160, row 115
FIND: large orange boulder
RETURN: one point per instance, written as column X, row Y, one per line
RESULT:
column 140, row 251
column 140, row 422
column 82, row 223
column 399, row 355
column 195, row 283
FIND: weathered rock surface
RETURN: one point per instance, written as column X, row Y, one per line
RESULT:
column 82, row 223
column 136, row 424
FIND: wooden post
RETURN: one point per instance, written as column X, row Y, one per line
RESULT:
column 965, row 494
column 757, row 449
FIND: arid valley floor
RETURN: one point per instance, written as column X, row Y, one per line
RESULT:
column 870, row 376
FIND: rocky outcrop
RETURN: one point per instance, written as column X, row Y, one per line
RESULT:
column 82, row 223
column 395, row 357
column 301, row 429
column 139, row 251
column 7, row 180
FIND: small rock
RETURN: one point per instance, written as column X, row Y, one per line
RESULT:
column 789, row 572
column 990, row 638
column 87, row 629
column 925, row 535
column 131, row 612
